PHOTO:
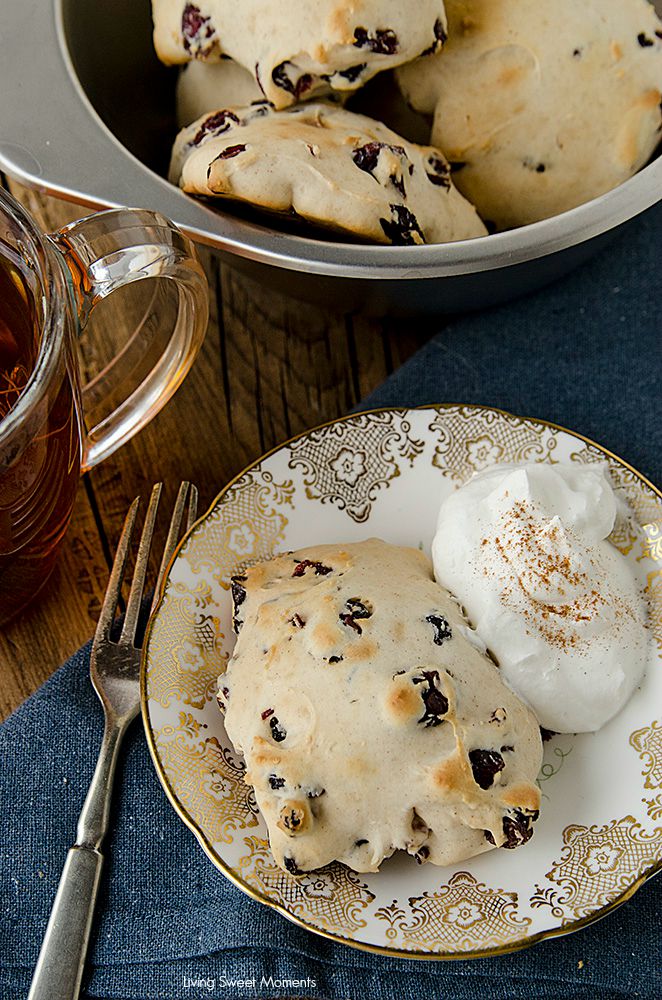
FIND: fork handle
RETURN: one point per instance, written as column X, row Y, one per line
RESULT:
column 59, row 970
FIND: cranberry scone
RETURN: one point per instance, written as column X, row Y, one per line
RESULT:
column 541, row 107
column 369, row 721
column 295, row 50
column 329, row 166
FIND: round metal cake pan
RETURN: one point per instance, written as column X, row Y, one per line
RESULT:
column 87, row 113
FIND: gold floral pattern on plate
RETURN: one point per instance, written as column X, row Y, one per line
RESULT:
column 210, row 780
column 348, row 462
column 189, row 633
column 654, row 807
column 468, row 439
column 599, row 863
column 460, row 916
column 652, row 546
column 246, row 525
column 333, row 898
column 648, row 744
column 352, row 466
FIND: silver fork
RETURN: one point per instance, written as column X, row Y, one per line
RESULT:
column 114, row 672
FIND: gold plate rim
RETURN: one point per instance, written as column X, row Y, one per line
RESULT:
column 207, row 846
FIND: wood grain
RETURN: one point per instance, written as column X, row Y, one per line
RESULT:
column 269, row 368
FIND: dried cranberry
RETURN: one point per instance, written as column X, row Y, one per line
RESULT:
column 438, row 172
column 291, row 866
column 517, row 827
column 192, row 21
column 352, row 73
column 353, row 609
column 267, row 712
column 257, row 78
column 276, row 782
column 403, row 228
column 440, row 37
column 485, row 764
column 280, row 77
column 291, row 819
column 238, row 597
column 230, row 151
column 350, row 623
column 366, row 158
column 442, row 630
column 358, row 608
column 278, row 733
column 198, row 32
column 436, row 703
column 384, row 41
column 439, row 32
column 259, row 108
column 320, row 569
column 217, row 123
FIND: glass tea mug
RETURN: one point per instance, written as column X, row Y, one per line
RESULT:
column 53, row 425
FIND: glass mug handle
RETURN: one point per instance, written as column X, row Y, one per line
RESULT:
column 110, row 250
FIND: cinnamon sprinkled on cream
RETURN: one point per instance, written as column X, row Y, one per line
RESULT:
column 525, row 550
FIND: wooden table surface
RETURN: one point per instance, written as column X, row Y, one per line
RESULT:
column 269, row 368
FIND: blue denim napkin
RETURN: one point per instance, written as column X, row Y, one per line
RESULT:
column 586, row 353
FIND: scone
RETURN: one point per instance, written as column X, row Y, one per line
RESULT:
column 203, row 86
column 541, row 107
column 329, row 166
column 368, row 720
column 297, row 49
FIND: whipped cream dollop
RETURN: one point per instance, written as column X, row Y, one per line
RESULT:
column 524, row 549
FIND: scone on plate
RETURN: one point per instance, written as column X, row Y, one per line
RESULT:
column 329, row 166
column 299, row 49
column 369, row 721
column 540, row 106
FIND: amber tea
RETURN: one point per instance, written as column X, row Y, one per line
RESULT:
column 38, row 478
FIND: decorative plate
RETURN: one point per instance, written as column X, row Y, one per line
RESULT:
column 384, row 474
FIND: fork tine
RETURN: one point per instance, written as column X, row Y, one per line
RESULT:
column 185, row 490
column 114, row 588
column 192, row 507
column 140, row 570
